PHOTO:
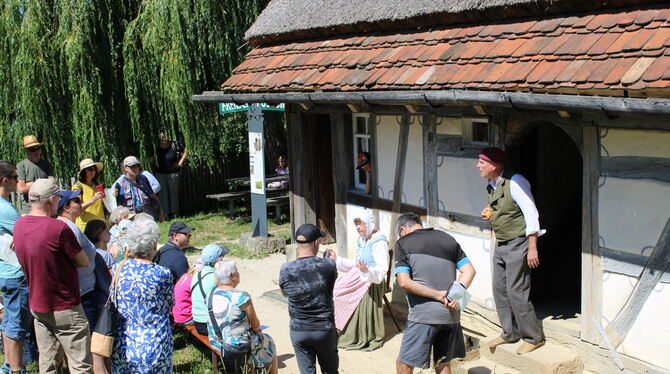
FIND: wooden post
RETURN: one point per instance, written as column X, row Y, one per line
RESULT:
column 302, row 171
column 373, row 122
column 430, row 195
column 592, row 270
column 343, row 162
column 403, row 140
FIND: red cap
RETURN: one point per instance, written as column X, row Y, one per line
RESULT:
column 493, row 154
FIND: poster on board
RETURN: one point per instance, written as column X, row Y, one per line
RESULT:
column 256, row 163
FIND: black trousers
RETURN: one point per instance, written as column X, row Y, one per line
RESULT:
column 310, row 345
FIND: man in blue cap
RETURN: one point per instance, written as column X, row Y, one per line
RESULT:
column 171, row 255
column 202, row 283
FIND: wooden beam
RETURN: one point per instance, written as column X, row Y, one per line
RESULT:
column 651, row 275
column 430, row 186
column 480, row 110
column 373, row 123
column 592, row 272
column 342, row 174
column 563, row 114
column 306, row 106
column 355, row 108
column 413, row 109
column 632, row 167
column 401, row 158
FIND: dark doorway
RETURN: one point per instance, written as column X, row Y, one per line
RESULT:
column 551, row 162
column 325, row 192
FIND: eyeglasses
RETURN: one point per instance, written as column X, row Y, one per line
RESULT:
column 15, row 177
column 76, row 200
column 34, row 149
column 136, row 166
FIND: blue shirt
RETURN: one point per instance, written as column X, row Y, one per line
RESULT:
column 87, row 274
column 173, row 258
column 8, row 217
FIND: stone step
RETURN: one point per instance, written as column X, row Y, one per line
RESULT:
column 484, row 366
column 548, row 359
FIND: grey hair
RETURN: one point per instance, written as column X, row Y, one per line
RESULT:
column 407, row 220
column 118, row 213
column 141, row 238
column 223, row 270
column 141, row 216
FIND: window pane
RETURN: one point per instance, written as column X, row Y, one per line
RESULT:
column 480, row 132
column 361, row 125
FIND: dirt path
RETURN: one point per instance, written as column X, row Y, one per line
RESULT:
column 260, row 276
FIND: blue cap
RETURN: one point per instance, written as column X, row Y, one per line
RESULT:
column 124, row 224
column 211, row 252
column 67, row 195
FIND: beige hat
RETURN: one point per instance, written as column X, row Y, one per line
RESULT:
column 30, row 141
column 42, row 189
column 130, row 161
column 88, row 162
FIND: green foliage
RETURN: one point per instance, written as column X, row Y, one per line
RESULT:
column 100, row 78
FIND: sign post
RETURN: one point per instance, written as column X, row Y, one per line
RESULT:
column 259, row 217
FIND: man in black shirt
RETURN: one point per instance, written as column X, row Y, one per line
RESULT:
column 308, row 283
column 171, row 254
column 169, row 158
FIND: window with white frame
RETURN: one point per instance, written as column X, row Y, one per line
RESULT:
column 361, row 144
column 476, row 131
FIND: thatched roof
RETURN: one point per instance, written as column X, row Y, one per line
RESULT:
column 285, row 20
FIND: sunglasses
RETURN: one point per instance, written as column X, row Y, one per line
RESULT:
column 76, row 200
column 34, row 149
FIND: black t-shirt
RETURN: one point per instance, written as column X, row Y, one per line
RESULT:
column 167, row 158
column 173, row 258
column 309, row 283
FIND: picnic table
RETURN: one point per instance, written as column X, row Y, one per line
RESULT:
column 276, row 197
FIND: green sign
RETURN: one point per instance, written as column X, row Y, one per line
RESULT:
column 225, row 108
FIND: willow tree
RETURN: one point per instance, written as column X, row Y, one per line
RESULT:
column 175, row 48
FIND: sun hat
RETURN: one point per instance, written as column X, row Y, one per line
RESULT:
column 130, row 161
column 30, row 141
column 42, row 189
column 211, row 252
column 88, row 162
column 493, row 154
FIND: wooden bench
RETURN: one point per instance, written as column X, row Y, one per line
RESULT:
column 230, row 197
column 215, row 358
column 277, row 202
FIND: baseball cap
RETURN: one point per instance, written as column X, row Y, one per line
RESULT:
column 42, row 189
column 130, row 161
column 211, row 252
column 67, row 195
column 308, row 233
column 179, row 227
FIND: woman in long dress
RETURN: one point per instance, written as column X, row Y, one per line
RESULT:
column 358, row 295
column 143, row 297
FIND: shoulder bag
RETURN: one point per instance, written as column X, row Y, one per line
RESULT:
column 102, row 339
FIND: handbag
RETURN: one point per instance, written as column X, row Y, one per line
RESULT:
column 102, row 339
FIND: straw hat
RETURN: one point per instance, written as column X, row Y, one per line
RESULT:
column 88, row 162
column 30, row 141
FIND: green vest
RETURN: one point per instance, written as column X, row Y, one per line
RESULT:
column 507, row 218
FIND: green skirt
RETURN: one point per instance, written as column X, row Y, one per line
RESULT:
column 365, row 329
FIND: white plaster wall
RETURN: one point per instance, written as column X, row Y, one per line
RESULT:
column 460, row 189
column 644, row 143
column 449, row 126
column 632, row 213
column 388, row 132
column 412, row 189
column 478, row 250
column 649, row 337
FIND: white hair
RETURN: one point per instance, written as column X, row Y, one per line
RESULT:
column 223, row 270
column 141, row 238
column 118, row 213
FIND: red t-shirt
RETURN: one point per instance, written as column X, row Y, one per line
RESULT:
column 46, row 248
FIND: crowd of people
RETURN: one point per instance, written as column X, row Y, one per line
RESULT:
column 66, row 261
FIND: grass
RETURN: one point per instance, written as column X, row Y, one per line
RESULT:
column 217, row 228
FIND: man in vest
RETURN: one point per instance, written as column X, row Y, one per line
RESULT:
column 516, row 224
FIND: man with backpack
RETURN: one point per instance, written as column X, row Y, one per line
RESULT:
column 134, row 191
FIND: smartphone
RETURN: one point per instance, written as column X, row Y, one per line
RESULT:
column 326, row 254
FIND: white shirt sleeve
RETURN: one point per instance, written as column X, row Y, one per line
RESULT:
column 377, row 273
column 523, row 197
column 155, row 185
column 344, row 264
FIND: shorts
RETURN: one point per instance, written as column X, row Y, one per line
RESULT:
column 18, row 320
column 446, row 341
